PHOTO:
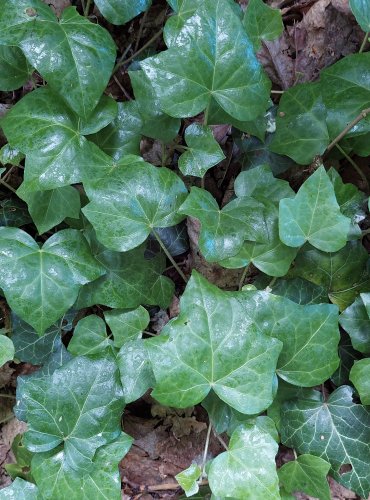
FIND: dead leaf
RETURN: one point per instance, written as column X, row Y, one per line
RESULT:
column 58, row 5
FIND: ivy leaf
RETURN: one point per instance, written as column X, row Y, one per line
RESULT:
column 360, row 378
column 301, row 131
column 6, row 350
column 130, row 279
column 135, row 369
column 80, row 405
column 366, row 300
column 261, row 22
column 122, row 11
column 360, row 10
column 135, row 197
column 56, row 478
column 343, row 274
column 247, row 470
column 337, row 430
column 104, row 113
column 14, row 68
column 203, row 151
column 347, row 355
column 349, row 197
column 89, row 337
column 184, row 10
column 86, row 51
column 308, row 474
column 13, row 213
column 188, row 478
column 355, row 321
column 174, row 238
column 223, row 231
column 10, row 156
column 301, row 219
column 50, row 208
column 127, row 325
column 53, row 123
column 260, row 182
column 221, row 415
column 19, row 490
column 300, row 291
column 206, row 64
column 193, row 354
column 40, row 285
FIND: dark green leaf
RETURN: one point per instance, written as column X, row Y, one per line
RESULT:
column 221, row 415
column 174, row 238
column 14, row 69
column 261, row 22
column 122, row 11
column 104, row 113
column 300, row 291
column 347, row 356
column 360, row 378
column 127, row 324
column 13, row 213
column 89, row 337
column 356, row 323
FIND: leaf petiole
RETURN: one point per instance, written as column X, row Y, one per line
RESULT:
column 169, row 256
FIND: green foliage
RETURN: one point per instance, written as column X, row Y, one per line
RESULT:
column 6, row 349
column 360, row 377
column 262, row 23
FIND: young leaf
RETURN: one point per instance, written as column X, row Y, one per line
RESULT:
column 261, row 22
column 301, row 131
column 247, row 470
column 360, row 378
column 308, row 474
column 207, row 64
column 89, row 337
column 127, row 324
column 301, row 219
column 14, row 68
column 122, row 11
column 50, row 208
column 40, row 285
column 188, row 478
column 355, row 321
column 260, row 182
column 337, row 430
column 360, row 9
column 203, row 151
column 19, row 490
column 130, row 199
column 224, row 231
column 6, row 350
column 193, row 354
column 79, row 405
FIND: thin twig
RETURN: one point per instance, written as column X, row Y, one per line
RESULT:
column 87, row 8
column 364, row 41
column 205, row 117
column 243, row 276
column 9, row 396
column 142, row 22
column 145, row 46
column 8, row 186
column 355, row 166
column 277, row 91
column 169, row 256
column 221, row 441
column 205, row 453
column 203, row 182
column 349, row 127
column 123, row 90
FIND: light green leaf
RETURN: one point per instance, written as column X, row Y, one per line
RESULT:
column 261, row 22
column 40, row 285
column 188, row 478
column 135, row 369
column 104, row 113
column 122, row 11
column 343, row 274
column 360, row 378
column 337, row 430
column 56, row 479
column 361, row 11
column 301, row 131
column 86, row 51
column 89, row 337
column 355, row 321
column 79, row 405
column 301, row 219
column 306, row 474
column 247, row 471
column 224, row 231
column 260, row 182
column 6, row 350
column 203, row 151
column 127, row 324
column 206, row 64
column 193, row 354
column 19, row 490
column 130, row 198
column 50, row 208
column 130, row 279
column 14, row 68
column 10, row 156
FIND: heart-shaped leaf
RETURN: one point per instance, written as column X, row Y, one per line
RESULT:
column 188, row 479
column 122, row 11
column 89, row 337
column 127, row 324
column 260, row 182
column 14, row 68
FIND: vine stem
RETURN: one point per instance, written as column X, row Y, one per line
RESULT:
column 145, row 46
column 354, row 165
column 272, row 283
column 205, row 453
column 350, row 126
column 87, row 8
column 203, row 182
column 364, row 41
column 8, row 186
column 169, row 256
column 8, row 396
column 205, row 119
column 242, row 278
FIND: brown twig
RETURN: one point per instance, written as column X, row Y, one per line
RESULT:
column 350, row 126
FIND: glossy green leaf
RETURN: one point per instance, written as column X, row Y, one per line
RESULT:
column 306, row 474
column 300, row 291
column 104, row 113
column 261, row 22
column 10, row 156
column 135, row 369
column 347, row 355
column 355, row 321
column 203, row 151
column 174, row 238
column 247, row 470
column 86, row 51
column 206, row 64
column 301, row 131
column 343, row 274
column 337, row 430
column 122, row 11
column 40, row 285
column 193, row 354
column 130, row 198
column 50, row 208
column 130, row 279
column 127, row 324
column 6, row 349
column 56, row 479
column 361, row 11
column 184, row 10
column 360, row 377
column 89, row 337
column 259, row 182
column 188, row 478
column 366, row 300
column 14, row 69
column 13, row 213
column 223, row 231
column 19, row 490
column 301, row 219
column 221, row 415
column 349, row 197
column 80, row 405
